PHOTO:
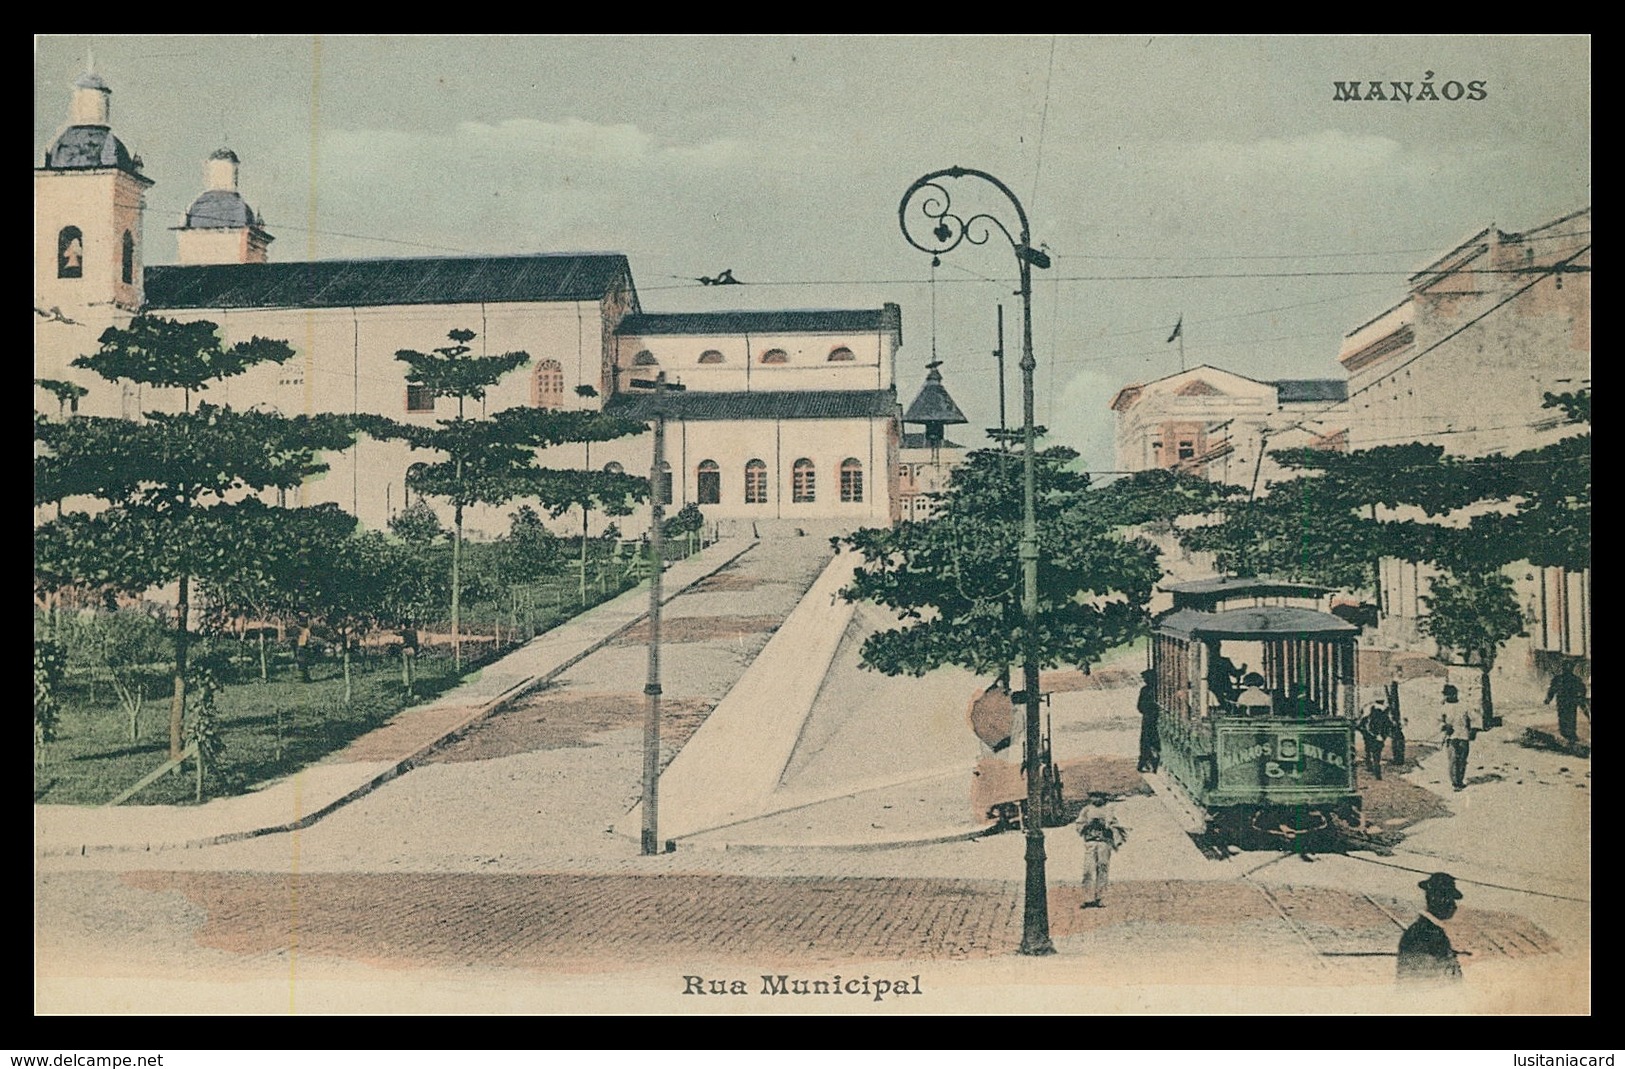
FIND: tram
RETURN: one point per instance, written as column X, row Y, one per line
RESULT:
column 1257, row 701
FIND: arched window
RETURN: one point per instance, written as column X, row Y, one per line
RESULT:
column 128, row 259
column 645, row 359
column 665, row 483
column 755, row 483
column 708, row 483
column 775, row 356
column 843, row 354
column 803, row 482
column 712, row 356
column 851, row 479
column 547, row 385
column 70, row 253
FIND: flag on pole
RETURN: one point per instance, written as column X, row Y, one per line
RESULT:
column 1179, row 328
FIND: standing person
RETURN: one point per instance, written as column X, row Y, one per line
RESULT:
column 1375, row 727
column 1396, row 716
column 1101, row 835
column 1425, row 951
column 1150, row 739
column 1457, row 727
column 1569, row 690
column 1221, row 678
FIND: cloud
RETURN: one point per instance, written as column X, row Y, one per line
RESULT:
column 577, row 139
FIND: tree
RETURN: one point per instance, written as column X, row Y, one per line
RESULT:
column 174, row 484
column 492, row 460
column 1475, row 612
column 955, row 580
column 50, row 667
column 67, row 395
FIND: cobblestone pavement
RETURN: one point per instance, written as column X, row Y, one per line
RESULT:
column 495, row 855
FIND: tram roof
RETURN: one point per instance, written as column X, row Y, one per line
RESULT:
column 1209, row 591
column 1258, row 622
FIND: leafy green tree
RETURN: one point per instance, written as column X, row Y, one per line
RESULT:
column 50, row 668
column 955, row 580
column 1474, row 612
column 67, row 395
column 175, row 484
column 417, row 525
column 493, row 460
column 687, row 523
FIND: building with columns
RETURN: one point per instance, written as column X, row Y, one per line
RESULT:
column 788, row 415
column 1219, row 425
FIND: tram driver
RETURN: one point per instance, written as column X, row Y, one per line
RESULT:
column 1254, row 700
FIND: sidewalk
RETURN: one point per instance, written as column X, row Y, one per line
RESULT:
column 300, row 800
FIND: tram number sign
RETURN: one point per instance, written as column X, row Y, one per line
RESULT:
column 1298, row 757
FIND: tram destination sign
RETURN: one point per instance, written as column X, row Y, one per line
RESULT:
column 1253, row 756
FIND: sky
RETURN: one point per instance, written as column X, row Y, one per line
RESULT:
column 1212, row 181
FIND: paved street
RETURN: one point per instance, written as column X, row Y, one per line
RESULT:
column 492, row 869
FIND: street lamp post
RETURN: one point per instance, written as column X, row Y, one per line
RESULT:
column 945, row 230
column 657, row 550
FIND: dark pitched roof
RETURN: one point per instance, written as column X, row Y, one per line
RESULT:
column 812, row 321
column 761, row 404
column 1290, row 390
column 371, row 283
column 933, row 404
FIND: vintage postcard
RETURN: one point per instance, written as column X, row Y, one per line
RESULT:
column 837, row 525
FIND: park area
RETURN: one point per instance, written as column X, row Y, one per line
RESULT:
column 280, row 693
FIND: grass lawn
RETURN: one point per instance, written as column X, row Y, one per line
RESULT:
column 273, row 728
column 270, row 729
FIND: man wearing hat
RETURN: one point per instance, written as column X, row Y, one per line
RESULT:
column 1425, row 952
column 1150, row 738
column 1457, row 726
column 1254, row 700
column 1375, row 727
column 1097, row 826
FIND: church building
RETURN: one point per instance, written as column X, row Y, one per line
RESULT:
column 784, row 416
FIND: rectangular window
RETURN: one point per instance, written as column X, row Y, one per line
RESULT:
column 419, row 399
column 803, row 485
column 1187, row 450
column 665, row 488
column 756, row 485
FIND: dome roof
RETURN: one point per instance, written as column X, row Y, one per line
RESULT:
column 217, row 209
column 224, row 154
column 89, row 80
column 87, row 147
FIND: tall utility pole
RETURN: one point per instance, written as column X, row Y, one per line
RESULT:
column 998, row 354
column 934, row 205
column 657, row 551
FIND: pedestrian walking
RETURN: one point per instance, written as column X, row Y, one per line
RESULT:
column 1457, row 726
column 1396, row 717
column 1375, row 727
column 1150, row 738
column 1569, row 691
column 1102, row 835
column 1426, row 953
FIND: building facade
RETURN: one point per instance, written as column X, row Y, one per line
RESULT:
column 784, row 415
column 1219, row 425
column 1464, row 361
